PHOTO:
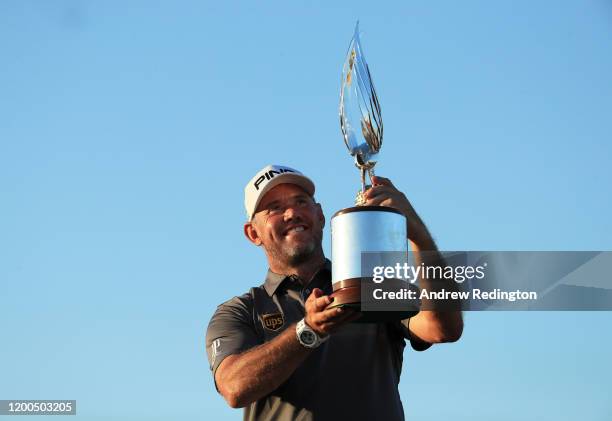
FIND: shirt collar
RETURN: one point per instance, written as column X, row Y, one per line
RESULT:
column 274, row 280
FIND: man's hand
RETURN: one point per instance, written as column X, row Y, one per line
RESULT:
column 384, row 193
column 325, row 321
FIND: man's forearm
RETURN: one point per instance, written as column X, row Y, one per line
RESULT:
column 249, row 376
column 441, row 321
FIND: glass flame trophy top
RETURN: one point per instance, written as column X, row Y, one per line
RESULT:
column 360, row 115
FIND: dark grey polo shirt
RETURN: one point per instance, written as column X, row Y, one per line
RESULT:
column 354, row 375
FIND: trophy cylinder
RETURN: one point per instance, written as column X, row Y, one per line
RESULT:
column 358, row 230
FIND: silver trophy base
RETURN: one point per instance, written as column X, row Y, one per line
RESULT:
column 365, row 229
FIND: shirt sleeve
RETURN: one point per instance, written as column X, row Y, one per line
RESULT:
column 230, row 331
column 416, row 343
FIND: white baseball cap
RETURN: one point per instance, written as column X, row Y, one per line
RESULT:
column 269, row 177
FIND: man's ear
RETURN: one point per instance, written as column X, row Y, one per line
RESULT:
column 251, row 233
column 320, row 215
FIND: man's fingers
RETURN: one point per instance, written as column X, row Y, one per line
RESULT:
column 329, row 315
column 378, row 190
column 327, row 321
column 376, row 201
column 322, row 302
column 314, row 295
column 348, row 316
column 378, row 180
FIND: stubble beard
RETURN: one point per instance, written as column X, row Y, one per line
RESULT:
column 296, row 254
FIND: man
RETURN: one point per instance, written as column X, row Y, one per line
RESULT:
column 279, row 351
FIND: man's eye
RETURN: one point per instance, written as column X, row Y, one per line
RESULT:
column 302, row 202
column 274, row 209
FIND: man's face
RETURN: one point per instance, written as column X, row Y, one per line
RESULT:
column 288, row 224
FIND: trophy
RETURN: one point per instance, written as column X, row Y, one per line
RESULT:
column 363, row 230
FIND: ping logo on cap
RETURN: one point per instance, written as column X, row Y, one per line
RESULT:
column 273, row 321
column 269, row 175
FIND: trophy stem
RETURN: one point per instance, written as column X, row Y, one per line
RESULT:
column 363, row 170
column 363, row 180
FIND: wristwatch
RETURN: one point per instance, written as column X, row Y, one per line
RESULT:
column 308, row 337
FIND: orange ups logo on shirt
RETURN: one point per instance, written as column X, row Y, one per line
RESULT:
column 273, row 321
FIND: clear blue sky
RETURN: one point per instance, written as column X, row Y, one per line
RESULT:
column 128, row 131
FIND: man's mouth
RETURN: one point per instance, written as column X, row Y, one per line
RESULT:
column 295, row 229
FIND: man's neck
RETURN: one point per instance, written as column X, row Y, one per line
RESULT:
column 304, row 271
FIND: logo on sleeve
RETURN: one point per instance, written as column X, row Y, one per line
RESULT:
column 273, row 321
column 214, row 350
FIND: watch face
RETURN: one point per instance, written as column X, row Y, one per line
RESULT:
column 308, row 337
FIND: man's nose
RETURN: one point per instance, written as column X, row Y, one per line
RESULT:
column 291, row 212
